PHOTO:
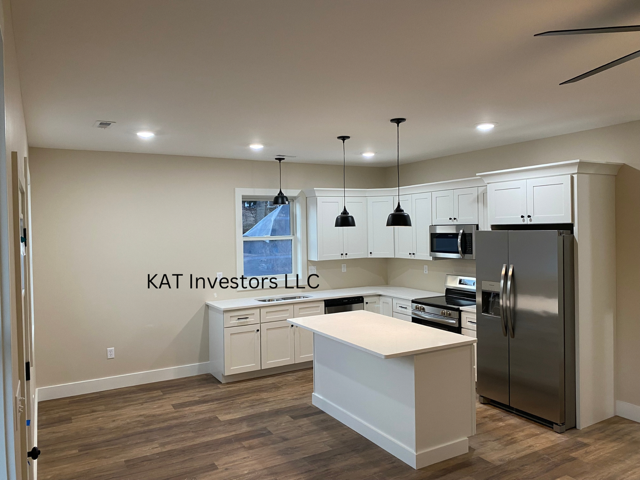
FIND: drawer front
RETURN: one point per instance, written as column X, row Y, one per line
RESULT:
column 372, row 300
column 402, row 306
column 276, row 313
column 468, row 321
column 308, row 309
column 237, row 318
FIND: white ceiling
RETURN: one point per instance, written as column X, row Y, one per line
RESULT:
column 210, row 76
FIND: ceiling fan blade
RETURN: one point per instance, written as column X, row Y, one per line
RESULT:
column 602, row 68
column 582, row 31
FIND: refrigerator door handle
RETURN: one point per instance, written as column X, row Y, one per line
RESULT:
column 501, row 300
column 511, row 300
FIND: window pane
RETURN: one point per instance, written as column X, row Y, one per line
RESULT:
column 267, row 257
column 261, row 218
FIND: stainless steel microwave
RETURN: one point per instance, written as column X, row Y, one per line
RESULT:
column 453, row 241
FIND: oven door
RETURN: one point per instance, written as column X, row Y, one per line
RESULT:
column 453, row 241
column 436, row 321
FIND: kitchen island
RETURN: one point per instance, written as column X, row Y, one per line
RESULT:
column 408, row 388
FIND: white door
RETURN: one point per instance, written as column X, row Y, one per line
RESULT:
column 549, row 200
column 421, row 220
column 380, row 238
column 386, row 306
column 403, row 236
column 355, row 238
column 303, row 340
column 442, row 207
column 465, row 206
column 277, row 344
column 507, row 202
column 330, row 237
column 241, row 349
column 372, row 304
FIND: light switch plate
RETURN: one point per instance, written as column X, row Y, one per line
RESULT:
column 344, row 267
column 312, row 270
column 111, row 352
column 426, row 269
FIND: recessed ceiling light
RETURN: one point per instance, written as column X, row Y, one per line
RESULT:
column 368, row 154
column 146, row 134
column 485, row 127
column 256, row 146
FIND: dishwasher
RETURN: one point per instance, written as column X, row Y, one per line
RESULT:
column 347, row 304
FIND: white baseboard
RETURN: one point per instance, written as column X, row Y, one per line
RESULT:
column 120, row 381
column 628, row 410
column 403, row 452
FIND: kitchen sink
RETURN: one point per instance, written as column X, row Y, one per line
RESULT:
column 282, row 299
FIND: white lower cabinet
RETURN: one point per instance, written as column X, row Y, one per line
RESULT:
column 277, row 344
column 468, row 324
column 386, row 306
column 303, row 340
column 241, row 349
column 402, row 316
column 372, row 304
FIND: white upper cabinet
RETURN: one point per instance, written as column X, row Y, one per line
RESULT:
column 404, row 245
column 549, row 200
column 328, row 242
column 455, row 207
column 465, row 206
column 380, row 238
column 532, row 201
column 442, row 207
column 421, row 220
column 355, row 238
column 507, row 202
column 325, row 240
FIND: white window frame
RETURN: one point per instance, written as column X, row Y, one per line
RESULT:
column 298, row 204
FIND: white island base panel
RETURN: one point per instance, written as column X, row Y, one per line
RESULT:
column 420, row 408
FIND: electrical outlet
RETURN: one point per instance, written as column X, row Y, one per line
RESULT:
column 312, row 270
column 426, row 269
column 344, row 267
column 219, row 275
column 111, row 352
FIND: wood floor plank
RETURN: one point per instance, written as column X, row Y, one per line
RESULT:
column 267, row 429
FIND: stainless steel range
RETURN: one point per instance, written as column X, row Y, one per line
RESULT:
column 444, row 312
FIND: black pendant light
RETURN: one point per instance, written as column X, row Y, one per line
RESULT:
column 281, row 198
column 344, row 219
column 398, row 218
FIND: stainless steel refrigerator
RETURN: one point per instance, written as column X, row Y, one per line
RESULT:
column 525, row 324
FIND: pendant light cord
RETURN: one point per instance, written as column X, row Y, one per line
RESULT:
column 398, row 157
column 280, row 165
column 344, row 176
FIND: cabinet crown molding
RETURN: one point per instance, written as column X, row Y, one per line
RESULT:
column 569, row 167
column 393, row 191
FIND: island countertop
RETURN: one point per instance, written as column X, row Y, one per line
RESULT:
column 380, row 335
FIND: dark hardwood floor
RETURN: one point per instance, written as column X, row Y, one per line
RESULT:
column 196, row 428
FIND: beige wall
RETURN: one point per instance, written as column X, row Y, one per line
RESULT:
column 619, row 143
column 103, row 221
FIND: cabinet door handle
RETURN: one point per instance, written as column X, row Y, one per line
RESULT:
column 402, row 307
column 346, row 254
column 450, row 218
column 258, row 330
column 370, row 253
column 292, row 326
column 239, row 319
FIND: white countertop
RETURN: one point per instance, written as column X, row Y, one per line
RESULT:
column 471, row 309
column 380, row 335
column 315, row 295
